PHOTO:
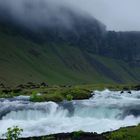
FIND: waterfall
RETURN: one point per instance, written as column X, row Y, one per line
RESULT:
column 105, row 111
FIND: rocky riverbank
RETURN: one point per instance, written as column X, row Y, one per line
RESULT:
column 128, row 133
column 71, row 136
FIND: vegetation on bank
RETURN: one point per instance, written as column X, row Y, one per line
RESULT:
column 13, row 133
column 128, row 133
column 48, row 93
column 43, row 92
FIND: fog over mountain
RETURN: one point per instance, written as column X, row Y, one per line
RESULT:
column 45, row 13
column 35, row 13
column 116, row 15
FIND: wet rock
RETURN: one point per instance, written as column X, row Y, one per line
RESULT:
column 129, row 92
column 2, row 85
column 7, row 91
column 44, row 84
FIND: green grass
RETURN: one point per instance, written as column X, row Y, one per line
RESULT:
column 59, row 93
column 129, row 133
column 57, row 64
column 51, row 93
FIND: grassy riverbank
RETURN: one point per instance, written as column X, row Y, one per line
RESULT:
column 128, row 133
column 43, row 92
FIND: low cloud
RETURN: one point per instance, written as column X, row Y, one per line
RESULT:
column 37, row 13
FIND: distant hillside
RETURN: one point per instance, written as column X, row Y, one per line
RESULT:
column 84, row 53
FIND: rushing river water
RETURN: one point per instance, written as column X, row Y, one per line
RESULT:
column 105, row 111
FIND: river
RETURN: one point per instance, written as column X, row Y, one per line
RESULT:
column 105, row 111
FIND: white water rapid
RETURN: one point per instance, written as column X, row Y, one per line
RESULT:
column 105, row 111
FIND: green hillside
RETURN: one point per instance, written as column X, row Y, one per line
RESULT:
column 22, row 60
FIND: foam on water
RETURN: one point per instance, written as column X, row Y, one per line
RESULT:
column 105, row 111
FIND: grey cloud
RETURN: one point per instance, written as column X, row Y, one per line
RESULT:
column 37, row 13
column 116, row 14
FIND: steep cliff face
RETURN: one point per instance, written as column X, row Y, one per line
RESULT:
column 83, row 52
column 122, row 45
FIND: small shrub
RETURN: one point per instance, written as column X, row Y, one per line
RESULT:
column 13, row 133
column 69, row 97
column 34, row 97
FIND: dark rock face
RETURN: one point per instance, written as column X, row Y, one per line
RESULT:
column 122, row 45
column 86, row 33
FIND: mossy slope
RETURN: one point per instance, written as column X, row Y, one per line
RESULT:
column 23, row 60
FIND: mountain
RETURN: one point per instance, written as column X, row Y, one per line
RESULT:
column 83, row 52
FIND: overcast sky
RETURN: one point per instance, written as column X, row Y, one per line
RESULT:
column 115, row 14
